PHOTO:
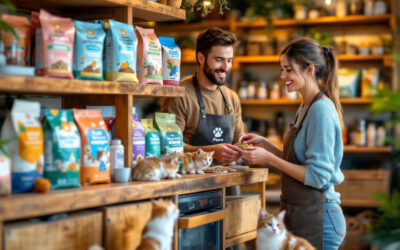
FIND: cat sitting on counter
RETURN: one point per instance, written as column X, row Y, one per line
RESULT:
column 195, row 162
column 155, row 169
column 272, row 234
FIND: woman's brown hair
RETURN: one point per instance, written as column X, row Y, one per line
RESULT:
column 306, row 51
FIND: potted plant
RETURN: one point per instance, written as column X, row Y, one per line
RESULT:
column 203, row 7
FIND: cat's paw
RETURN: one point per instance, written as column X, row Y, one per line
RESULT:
column 178, row 175
column 183, row 172
column 200, row 171
column 192, row 171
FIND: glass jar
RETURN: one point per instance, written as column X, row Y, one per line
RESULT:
column 251, row 90
column 262, row 91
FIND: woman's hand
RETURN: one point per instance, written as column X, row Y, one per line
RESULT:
column 255, row 140
column 256, row 155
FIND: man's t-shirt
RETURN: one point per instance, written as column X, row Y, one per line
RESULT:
column 187, row 109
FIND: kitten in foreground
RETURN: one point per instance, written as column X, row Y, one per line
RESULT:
column 195, row 162
column 155, row 169
column 272, row 234
column 157, row 235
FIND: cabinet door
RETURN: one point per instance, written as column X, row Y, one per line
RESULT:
column 124, row 225
column 79, row 231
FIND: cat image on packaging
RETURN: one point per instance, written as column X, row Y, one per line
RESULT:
column 272, row 234
column 95, row 154
column 149, row 61
column 22, row 127
column 138, row 140
column 61, row 149
column 155, row 169
column 153, row 144
column 88, row 51
column 170, row 133
column 171, row 61
column 57, row 45
column 121, row 48
column 16, row 50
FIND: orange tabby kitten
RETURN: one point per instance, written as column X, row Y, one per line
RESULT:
column 272, row 234
column 157, row 235
column 195, row 162
column 155, row 169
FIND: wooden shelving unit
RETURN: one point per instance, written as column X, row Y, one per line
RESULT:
column 350, row 149
column 287, row 102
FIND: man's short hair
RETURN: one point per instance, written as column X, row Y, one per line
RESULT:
column 212, row 37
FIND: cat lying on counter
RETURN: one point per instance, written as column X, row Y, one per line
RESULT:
column 272, row 234
column 155, row 169
column 195, row 162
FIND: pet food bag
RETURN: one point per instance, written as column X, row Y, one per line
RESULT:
column 170, row 133
column 5, row 174
column 16, row 50
column 153, row 146
column 149, row 62
column 22, row 127
column 171, row 61
column 88, row 50
column 57, row 45
column 95, row 154
column 62, row 146
column 138, row 140
column 121, row 47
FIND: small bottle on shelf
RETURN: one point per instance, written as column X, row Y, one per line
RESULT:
column 243, row 90
column 380, row 135
column 262, row 91
column 360, row 135
column 116, row 156
column 371, row 133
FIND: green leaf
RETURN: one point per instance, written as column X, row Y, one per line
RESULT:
column 9, row 6
column 8, row 28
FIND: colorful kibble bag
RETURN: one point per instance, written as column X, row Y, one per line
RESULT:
column 171, row 61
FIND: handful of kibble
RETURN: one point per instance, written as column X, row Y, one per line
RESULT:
column 243, row 145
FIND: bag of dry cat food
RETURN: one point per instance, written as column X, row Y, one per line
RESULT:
column 170, row 133
column 138, row 140
column 88, row 50
column 5, row 174
column 62, row 146
column 121, row 47
column 152, row 137
column 22, row 127
column 16, row 50
column 95, row 156
column 57, row 45
column 171, row 61
column 149, row 62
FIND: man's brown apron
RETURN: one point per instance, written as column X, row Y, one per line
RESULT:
column 304, row 205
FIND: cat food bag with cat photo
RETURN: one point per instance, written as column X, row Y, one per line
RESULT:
column 57, row 45
column 88, row 50
column 23, row 128
column 16, row 50
column 121, row 48
column 170, row 133
column 149, row 62
column 138, row 140
column 153, row 146
column 5, row 174
column 62, row 146
column 95, row 154
column 171, row 61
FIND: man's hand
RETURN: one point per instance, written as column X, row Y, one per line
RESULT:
column 226, row 153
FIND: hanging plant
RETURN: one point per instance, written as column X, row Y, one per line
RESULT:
column 5, row 26
column 203, row 6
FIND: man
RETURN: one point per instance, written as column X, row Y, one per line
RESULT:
column 209, row 114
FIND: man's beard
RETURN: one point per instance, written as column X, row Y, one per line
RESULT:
column 208, row 72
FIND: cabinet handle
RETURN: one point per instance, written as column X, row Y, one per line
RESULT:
column 200, row 219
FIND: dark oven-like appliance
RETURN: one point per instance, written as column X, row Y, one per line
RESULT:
column 200, row 221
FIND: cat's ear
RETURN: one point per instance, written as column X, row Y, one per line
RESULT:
column 199, row 152
column 212, row 153
column 263, row 214
column 281, row 215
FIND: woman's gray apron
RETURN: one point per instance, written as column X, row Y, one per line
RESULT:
column 304, row 205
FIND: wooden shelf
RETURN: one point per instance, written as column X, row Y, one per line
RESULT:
column 103, row 9
column 59, row 86
column 359, row 203
column 285, row 102
column 198, row 25
column 241, row 238
column 33, row 204
column 342, row 58
column 350, row 149
column 322, row 21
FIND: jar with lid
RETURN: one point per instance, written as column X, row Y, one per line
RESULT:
column 251, row 90
column 243, row 90
column 341, row 8
column 275, row 91
column 380, row 7
column 116, row 156
column 368, row 7
column 262, row 91
column 355, row 7
column 360, row 134
column 380, row 135
column 371, row 133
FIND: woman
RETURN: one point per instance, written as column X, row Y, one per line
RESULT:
column 313, row 148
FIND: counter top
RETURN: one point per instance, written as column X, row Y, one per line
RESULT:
column 21, row 206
